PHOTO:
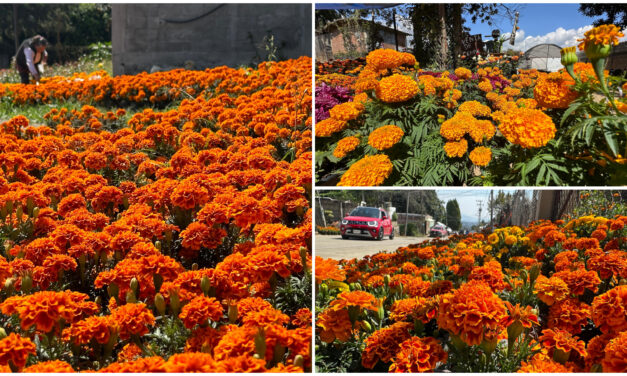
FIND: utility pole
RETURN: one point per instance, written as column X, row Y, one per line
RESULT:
column 324, row 220
column 492, row 209
column 406, row 213
column 479, row 202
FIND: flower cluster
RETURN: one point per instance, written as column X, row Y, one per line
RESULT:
column 529, row 293
column 159, row 241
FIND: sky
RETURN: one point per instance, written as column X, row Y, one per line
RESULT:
column 467, row 200
column 560, row 24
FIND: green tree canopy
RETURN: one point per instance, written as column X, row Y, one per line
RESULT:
column 610, row 13
column 453, row 215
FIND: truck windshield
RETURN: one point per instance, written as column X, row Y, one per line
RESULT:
column 365, row 212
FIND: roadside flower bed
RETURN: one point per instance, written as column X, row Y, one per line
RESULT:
column 176, row 241
column 488, row 125
column 550, row 297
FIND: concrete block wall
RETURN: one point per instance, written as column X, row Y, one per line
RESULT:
column 207, row 35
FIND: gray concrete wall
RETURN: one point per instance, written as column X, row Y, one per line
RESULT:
column 207, row 35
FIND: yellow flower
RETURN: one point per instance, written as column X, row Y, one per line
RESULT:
column 526, row 127
column 385, row 137
column 510, row 239
column 554, row 90
column 327, row 127
column 456, row 127
column 475, row 108
column 603, row 35
column 345, row 111
column 493, row 238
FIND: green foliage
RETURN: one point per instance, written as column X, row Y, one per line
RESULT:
column 412, row 229
column 294, row 293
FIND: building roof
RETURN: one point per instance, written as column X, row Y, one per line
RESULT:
column 339, row 22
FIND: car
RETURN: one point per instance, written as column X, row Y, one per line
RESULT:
column 438, row 231
column 367, row 222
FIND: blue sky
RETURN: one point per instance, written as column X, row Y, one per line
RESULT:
column 467, row 200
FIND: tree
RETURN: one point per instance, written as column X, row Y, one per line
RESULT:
column 614, row 13
column 453, row 215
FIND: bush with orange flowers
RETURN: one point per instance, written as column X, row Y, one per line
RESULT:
column 159, row 240
column 486, row 124
column 516, row 299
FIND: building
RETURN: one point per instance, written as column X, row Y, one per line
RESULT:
column 543, row 57
column 347, row 38
column 199, row 35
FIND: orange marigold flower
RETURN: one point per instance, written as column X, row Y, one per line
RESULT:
column 328, row 127
column 474, row 108
column 540, row 364
column 551, row 290
column 345, row 146
column 151, row 364
column 418, row 355
column 368, row 171
column 579, row 280
column 473, row 312
column 386, row 58
column 132, row 319
column 129, row 353
column 396, row 88
column 481, row 156
column 15, row 349
column 384, row 344
column 191, row 362
column 554, row 90
column 456, row 127
column 345, row 111
column 328, row 269
column 596, row 349
column 561, row 340
column 613, row 263
column 335, row 324
column 485, row 85
column 604, row 35
column 50, row 366
column 463, row 73
column 199, row 310
column 92, row 328
column 570, row 315
column 528, row 128
column 615, row 359
column 609, row 310
column 456, row 148
column 385, row 137
column 357, row 298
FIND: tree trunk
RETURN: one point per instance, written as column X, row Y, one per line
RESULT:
column 15, row 32
column 443, row 35
column 457, row 33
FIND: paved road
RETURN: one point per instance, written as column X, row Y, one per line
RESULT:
column 333, row 246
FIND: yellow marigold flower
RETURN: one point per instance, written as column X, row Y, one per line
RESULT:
column 528, row 128
column 368, row 171
column 585, row 72
column 553, row 90
column 345, row 111
column 428, row 84
column 475, row 108
column 493, row 238
column 456, row 127
column 604, row 35
column 327, row 127
column 396, row 88
column 456, row 148
column 386, row 58
column 463, row 73
column 485, row 86
column 527, row 103
column 367, row 80
column 482, row 129
column 510, row 240
column 385, row 137
column 345, row 146
column 481, row 156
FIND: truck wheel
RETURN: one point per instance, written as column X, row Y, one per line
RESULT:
column 392, row 234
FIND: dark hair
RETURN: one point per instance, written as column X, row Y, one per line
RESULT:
column 38, row 40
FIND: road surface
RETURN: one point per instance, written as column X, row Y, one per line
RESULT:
column 333, row 246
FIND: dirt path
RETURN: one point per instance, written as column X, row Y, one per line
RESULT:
column 333, row 246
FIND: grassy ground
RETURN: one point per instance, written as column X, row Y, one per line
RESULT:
column 35, row 113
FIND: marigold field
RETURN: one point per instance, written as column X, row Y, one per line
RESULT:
column 384, row 121
column 174, row 237
column 549, row 297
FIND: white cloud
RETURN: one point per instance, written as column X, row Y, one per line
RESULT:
column 560, row 37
